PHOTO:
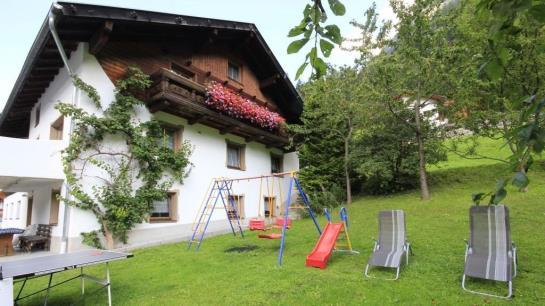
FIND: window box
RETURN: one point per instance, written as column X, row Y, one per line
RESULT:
column 224, row 100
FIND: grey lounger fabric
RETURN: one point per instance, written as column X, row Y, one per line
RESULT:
column 392, row 244
column 490, row 253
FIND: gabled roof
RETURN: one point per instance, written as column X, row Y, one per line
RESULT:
column 80, row 22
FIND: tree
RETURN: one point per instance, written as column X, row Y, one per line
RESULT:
column 407, row 72
column 331, row 116
column 121, row 157
column 385, row 155
column 499, row 56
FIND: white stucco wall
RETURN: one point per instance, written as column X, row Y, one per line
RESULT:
column 15, row 211
column 208, row 158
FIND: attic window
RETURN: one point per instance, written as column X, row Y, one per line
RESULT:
column 234, row 71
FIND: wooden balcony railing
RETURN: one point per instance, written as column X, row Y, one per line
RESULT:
column 180, row 96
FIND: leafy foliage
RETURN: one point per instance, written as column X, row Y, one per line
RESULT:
column 92, row 239
column 325, row 37
column 386, row 156
column 333, row 112
column 113, row 163
column 510, row 91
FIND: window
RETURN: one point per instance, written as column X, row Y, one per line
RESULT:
column 238, row 200
column 172, row 137
column 18, row 212
column 276, row 163
column 165, row 210
column 235, row 156
column 55, row 132
column 37, row 115
column 234, row 71
column 54, row 208
column 269, row 204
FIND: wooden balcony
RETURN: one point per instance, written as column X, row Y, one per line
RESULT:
column 180, row 96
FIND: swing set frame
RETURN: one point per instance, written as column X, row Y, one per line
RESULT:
column 224, row 191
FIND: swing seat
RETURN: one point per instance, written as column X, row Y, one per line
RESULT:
column 257, row 225
column 270, row 236
column 279, row 223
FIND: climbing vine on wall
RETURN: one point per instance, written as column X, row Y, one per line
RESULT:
column 114, row 164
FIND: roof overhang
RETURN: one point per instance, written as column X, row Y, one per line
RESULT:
column 80, row 22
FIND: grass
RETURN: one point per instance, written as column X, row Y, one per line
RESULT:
column 229, row 271
column 486, row 147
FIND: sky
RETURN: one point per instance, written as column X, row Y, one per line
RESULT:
column 21, row 20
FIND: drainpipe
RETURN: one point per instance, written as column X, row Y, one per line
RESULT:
column 55, row 9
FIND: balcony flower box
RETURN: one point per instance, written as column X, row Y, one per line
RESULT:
column 230, row 103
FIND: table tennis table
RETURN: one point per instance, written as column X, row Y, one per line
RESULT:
column 25, row 269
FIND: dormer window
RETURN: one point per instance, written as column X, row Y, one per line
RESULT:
column 234, row 71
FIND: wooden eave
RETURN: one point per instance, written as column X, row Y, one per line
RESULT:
column 93, row 23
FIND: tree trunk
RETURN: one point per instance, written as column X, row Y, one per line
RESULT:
column 346, row 163
column 108, row 236
column 424, row 190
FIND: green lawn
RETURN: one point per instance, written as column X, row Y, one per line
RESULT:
column 172, row 275
column 486, row 147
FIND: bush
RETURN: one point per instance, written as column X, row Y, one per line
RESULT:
column 92, row 239
column 330, row 197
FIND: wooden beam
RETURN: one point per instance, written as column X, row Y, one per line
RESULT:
column 36, row 84
column 101, row 37
column 159, row 106
column 32, row 90
column 196, row 119
column 49, row 62
column 229, row 129
column 270, row 81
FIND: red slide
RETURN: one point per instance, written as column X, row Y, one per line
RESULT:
column 322, row 251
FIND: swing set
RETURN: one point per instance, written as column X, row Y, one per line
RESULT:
column 220, row 196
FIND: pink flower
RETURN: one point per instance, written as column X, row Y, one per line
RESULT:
column 230, row 103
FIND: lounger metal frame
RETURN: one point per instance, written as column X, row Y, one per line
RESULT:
column 509, row 283
column 406, row 250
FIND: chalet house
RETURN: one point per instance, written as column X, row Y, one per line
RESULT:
column 184, row 55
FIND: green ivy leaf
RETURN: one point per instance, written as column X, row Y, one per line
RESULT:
column 478, row 197
column 313, row 54
column 337, row 7
column 493, row 69
column 307, row 11
column 520, row 180
column 298, row 30
column 296, row 45
column 503, row 56
column 538, row 12
column 501, row 183
column 326, row 47
column 300, row 70
column 498, row 196
column 333, row 33
column 500, row 192
column 319, row 66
